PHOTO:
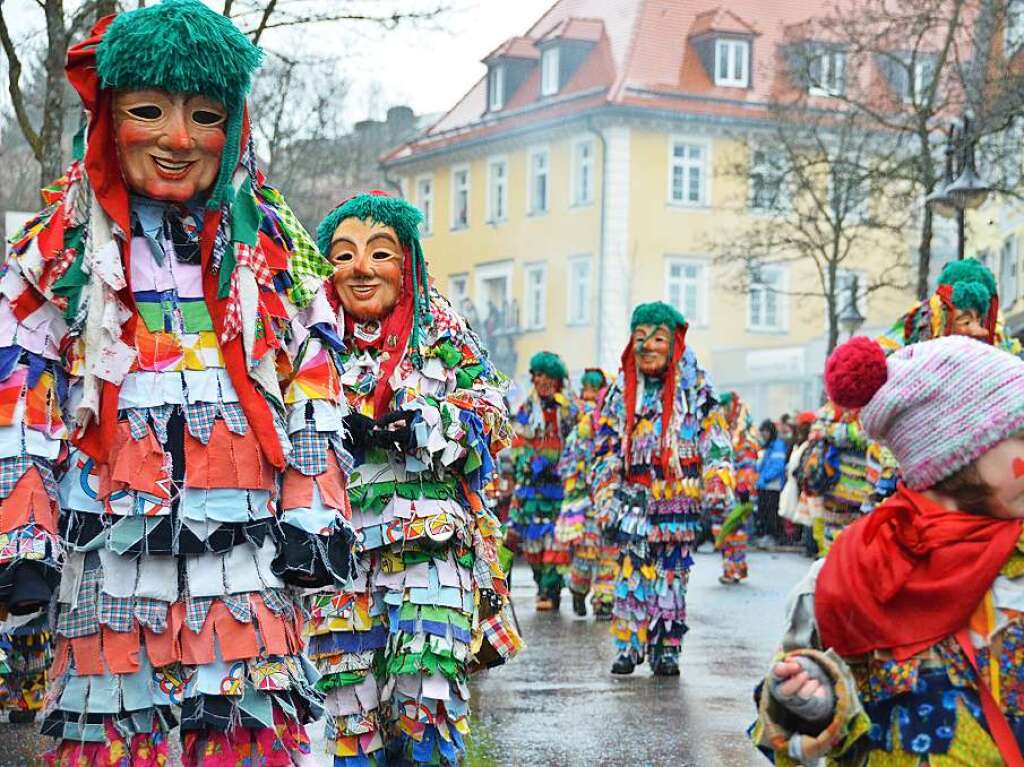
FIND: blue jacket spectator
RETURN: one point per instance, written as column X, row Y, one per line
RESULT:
column 771, row 467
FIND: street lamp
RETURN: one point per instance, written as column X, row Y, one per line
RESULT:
column 953, row 198
column 850, row 318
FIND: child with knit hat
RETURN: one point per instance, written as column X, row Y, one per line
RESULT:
column 540, row 427
column 903, row 646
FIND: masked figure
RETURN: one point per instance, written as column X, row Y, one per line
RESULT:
column 731, row 533
column 664, row 458
column 594, row 560
column 541, row 426
column 843, row 474
column 427, row 418
column 172, row 417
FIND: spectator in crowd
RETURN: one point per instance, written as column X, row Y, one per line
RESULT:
column 793, row 505
column 771, row 471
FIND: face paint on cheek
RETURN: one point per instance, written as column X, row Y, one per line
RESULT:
column 1018, row 468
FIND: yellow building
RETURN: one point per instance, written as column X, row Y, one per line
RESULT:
column 587, row 171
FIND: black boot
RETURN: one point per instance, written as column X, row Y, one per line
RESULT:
column 666, row 665
column 579, row 603
column 623, row 665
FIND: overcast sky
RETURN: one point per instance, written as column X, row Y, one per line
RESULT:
column 426, row 68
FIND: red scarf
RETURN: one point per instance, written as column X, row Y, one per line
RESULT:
column 908, row 575
column 668, row 395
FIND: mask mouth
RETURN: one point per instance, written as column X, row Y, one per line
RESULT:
column 170, row 168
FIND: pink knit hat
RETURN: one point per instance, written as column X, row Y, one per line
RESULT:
column 938, row 405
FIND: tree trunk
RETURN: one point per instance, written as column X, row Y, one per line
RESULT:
column 924, row 255
column 51, row 154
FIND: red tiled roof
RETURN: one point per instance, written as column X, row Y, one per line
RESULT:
column 514, row 48
column 718, row 20
column 642, row 57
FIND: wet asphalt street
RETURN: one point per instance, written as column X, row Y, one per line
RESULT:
column 558, row 705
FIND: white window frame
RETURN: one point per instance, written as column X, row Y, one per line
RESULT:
column 425, row 202
column 580, row 193
column 531, row 180
column 832, row 69
column 698, row 317
column 916, row 82
column 457, row 226
column 458, row 290
column 780, row 298
column 764, row 167
column 737, row 62
column 685, row 162
column 550, row 64
column 496, row 87
column 533, row 303
column 494, row 184
column 578, row 299
column 491, row 271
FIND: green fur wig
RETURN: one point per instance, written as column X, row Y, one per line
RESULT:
column 593, row 378
column 399, row 214
column 974, row 285
column 548, row 364
column 657, row 313
column 181, row 46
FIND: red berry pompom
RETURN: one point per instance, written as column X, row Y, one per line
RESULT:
column 854, row 372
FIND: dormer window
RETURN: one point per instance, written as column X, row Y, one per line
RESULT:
column 827, row 72
column 732, row 63
column 496, row 87
column 549, row 71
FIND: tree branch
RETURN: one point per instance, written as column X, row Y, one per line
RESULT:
column 14, row 88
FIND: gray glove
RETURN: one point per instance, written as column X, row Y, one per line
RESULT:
column 814, row 710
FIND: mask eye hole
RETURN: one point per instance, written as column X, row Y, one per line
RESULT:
column 146, row 112
column 207, row 117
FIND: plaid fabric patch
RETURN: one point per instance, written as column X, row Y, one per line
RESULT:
column 239, row 606
column 345, row 459
column 277, row 601
column 152, row 613
column 11, row 470
column 503, row 638
column 254, row 258
column 196, row 610
column 83, row 620
column 137, row 423
column 200, row 417
column 309, row 451
column 49, row 480
column 305, row 259
column 140, row 418
column 117, row 612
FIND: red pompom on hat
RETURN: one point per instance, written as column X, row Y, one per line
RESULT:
column 855, row 372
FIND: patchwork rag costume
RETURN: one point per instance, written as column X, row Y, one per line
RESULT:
column 730, row 530
column 843, row 473
column 541, row 426
column 594, row 559
column 912, row 625
column 26, row 651
column 429, row 601
column 663, row 459
column 171, row 417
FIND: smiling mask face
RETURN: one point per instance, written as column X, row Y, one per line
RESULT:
column 368, row 260
column 169, row 144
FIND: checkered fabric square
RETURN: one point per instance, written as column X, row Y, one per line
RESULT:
column 239, row 606
column 309, row 451
column 11, row 470
column 200, row 417
column 277, row 601
column 196, row 610
column 253, row 257
column 304, row 259
column 83, row 620
column 503, row 638
column 152, row 613
column 345, row 459
column 117, row 613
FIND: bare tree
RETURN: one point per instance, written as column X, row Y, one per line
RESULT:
column 911, row 67
column 813, row 182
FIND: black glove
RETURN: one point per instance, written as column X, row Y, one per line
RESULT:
column 358, row 431
column 389, row 436
column 744, row 496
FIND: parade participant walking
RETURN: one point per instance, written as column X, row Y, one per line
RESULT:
column 594, row 559
column 734, row 536
column 163, row 315
column 663, row 457
column 541, row 425
column 429, row 598
column 843, row 474
column 902, row 647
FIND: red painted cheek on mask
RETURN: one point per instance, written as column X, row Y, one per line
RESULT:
column 211, row 141
column 1018, row 468
column 132, row 135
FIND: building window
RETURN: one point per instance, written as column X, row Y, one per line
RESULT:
column 583, row 173
column 535, row 302
column 549, row 71
column 579, row 287
column 497, row 190
column 495, row 307
column 686, row 288
column 496, row 87
column 765, row 301
column 1014, row 26
column 460, row 198
column 828, row 72
column 732, row 63
column 458, row 292
column 688, row 174
column 921, row 74
column 769, row 190
column 849, row 194
column 1009, row 289
column 538, row 174
column 425, row 202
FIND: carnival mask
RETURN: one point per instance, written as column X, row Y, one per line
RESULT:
column 169, row 144
column 590, row 394
column 652, row 345
column 545, row 385
column 967, row 323
column 367, row 259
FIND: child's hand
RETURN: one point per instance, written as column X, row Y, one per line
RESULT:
column 792, row 680
column 801, row 686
